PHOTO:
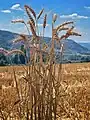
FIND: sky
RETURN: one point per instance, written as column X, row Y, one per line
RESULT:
column 67, row 10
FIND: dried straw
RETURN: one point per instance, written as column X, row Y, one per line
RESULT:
column 63, row 37
column 69, row 33
column 62, row 28
column 31, row 10
column 20, row 38
column 33, row 29
column 76, row 34
column 45, row 20
column 18, row 21
column 32, row 21
column 16, row 51
column 62, row 25
column 40, row 13
column 55, row 35
column 70, row 30
column 30, row 17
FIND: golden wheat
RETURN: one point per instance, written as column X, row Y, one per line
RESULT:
column 64, row 24
column 31, row 10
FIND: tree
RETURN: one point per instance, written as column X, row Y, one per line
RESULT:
column 3, row 60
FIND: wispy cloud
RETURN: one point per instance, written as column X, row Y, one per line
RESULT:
column 16, row 7
column 87, row 7
column 74, row 16
column 6, row 11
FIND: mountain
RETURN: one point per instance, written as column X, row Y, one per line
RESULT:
column 73, row 52
column 87, row 45
column 6, row 38
column 71, row 48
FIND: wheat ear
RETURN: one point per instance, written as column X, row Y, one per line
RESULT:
column 31, row 10
column 45, row 20
column 62, row 25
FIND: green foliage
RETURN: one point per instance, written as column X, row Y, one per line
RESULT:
column 23, row 49
column 3, row 60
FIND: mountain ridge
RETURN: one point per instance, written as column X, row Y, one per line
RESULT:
column 6, row 38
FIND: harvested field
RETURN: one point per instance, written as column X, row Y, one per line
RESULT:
column 73, row 99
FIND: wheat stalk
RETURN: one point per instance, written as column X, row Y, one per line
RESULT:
column 18, row 21
column 30, row 17
column 55, row 34
column 4, row 51
column 31, row 10
column 62, row 25
column 33, row 23
column 15, row 51
column 40, row 13
column 45, row 20
column 69, row 33
column 75, row 34
column 20, row 38
column 70, row 30
column 54, row 18
column 62, row 28
column 33, row 29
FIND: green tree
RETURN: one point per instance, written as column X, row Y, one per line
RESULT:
column 3, row 60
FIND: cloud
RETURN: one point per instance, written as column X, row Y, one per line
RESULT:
column 74, row 16
column 87, row 7
column 6, row 11
column 16, row 7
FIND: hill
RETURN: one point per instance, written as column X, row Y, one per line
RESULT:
column 87, row 45
column 72, row 50
column 6, row 38
column 71, row 46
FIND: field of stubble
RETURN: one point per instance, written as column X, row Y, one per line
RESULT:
column 75, row 80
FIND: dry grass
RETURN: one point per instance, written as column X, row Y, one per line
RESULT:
column 73, row 94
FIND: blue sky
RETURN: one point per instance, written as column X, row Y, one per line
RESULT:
column 74, row 10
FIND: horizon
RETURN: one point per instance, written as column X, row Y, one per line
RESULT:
column 66, row 11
